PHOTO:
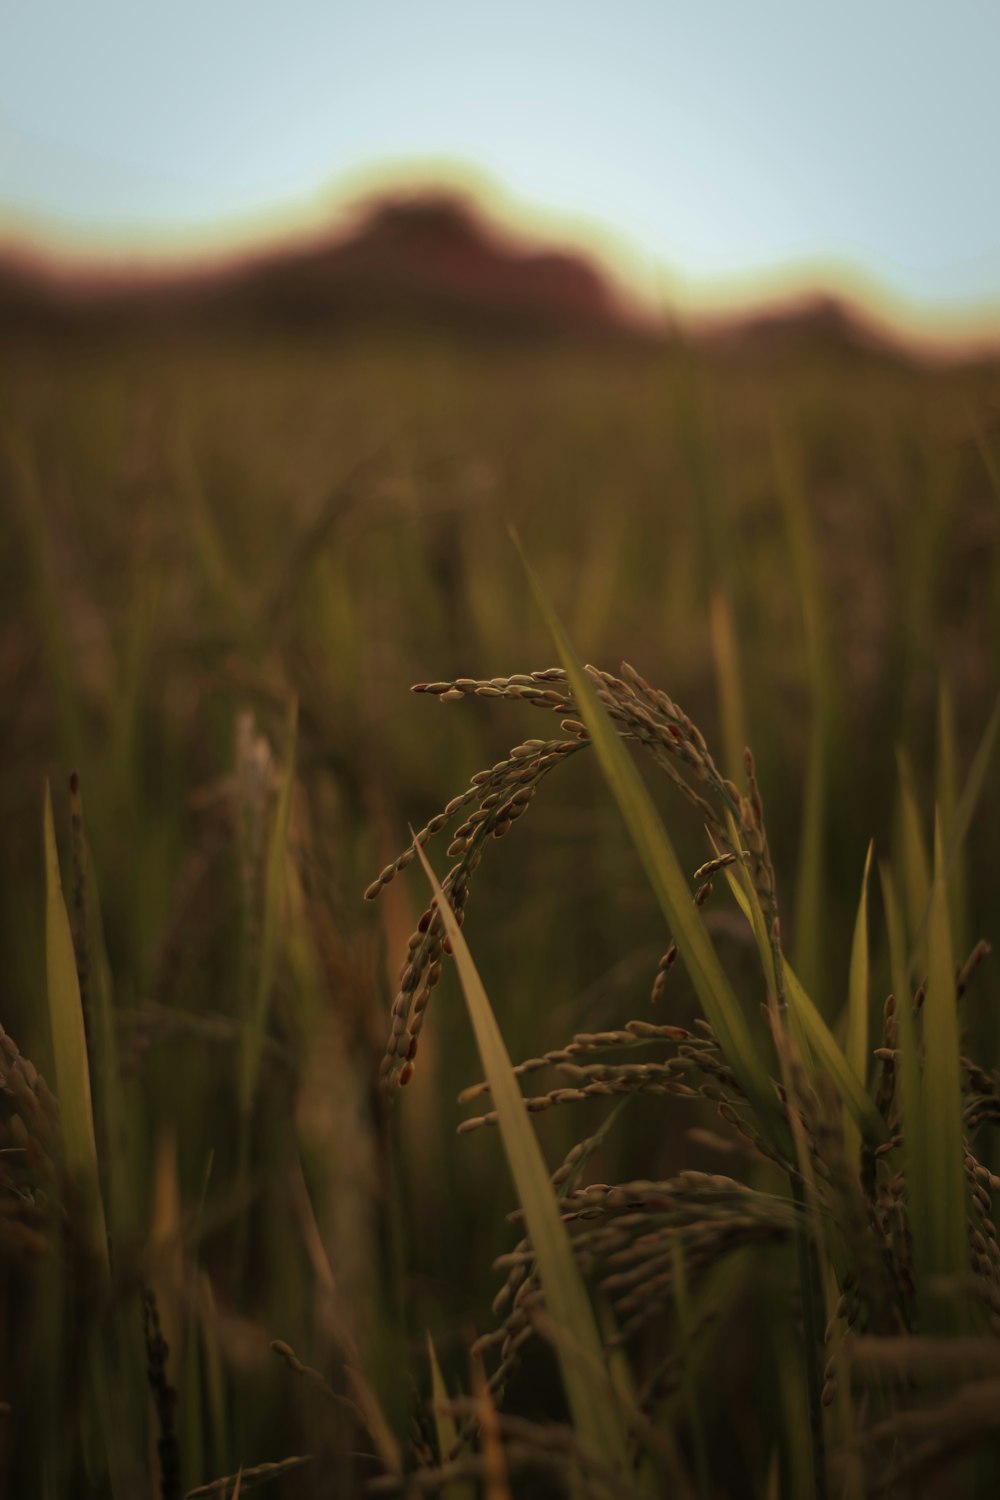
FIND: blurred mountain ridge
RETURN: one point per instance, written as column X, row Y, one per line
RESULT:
column 409, row 262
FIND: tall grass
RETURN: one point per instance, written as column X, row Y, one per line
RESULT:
column 753, row 1079
column 881, row 1215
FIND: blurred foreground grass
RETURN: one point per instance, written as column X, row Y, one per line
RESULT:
column 221, row 568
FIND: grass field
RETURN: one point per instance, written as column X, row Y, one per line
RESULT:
column 222, row 567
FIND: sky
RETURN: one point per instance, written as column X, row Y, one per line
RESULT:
column 702, row 145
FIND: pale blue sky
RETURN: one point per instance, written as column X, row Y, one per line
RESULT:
column 717, row 137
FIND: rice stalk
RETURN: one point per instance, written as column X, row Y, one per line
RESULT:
column 448, row 1442
column 903, row 1012
column 857, row 1045
column 956, row 827
column 946, row 797
column 940, row 1239
column 69, row 1050
column 495, row 1480
column 913, row 862
column 815, row 1041
column 164, row 1400
column 100, row 1016
column 666, row 877
column 529, row 1449
column 31, row 1164
column 270, row 923
column 249, row 1477
column 591, row 1400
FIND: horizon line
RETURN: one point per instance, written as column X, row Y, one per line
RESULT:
column 68, row 251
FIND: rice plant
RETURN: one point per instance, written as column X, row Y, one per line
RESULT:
column 862, row 1158
column 722, row 1061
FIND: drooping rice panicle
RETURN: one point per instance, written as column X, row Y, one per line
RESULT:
column 498, row 797
column 30, row 1156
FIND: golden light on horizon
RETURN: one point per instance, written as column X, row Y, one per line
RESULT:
column 650, row 287
column 711, row 157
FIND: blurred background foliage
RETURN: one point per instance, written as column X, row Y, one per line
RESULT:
column 222, row 565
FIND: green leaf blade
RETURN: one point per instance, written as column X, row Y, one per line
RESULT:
column 666, row 877
column 914, row 864
column 69, row 1048
column 578, row 1346
column 857, row 1044
column 812, row 1035
column 444, row 1426
column 909, row 1059
column 942, row 1239
column 274, row 895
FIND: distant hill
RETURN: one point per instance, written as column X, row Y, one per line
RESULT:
column 816, row 323
column 409, row 263
column 423, row 261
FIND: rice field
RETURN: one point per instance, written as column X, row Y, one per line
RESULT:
column 284, row 944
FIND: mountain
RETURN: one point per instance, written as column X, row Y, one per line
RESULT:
column 813, row 324
column 412, row 263
column 427, row 261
